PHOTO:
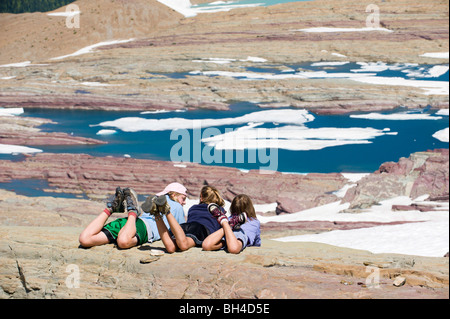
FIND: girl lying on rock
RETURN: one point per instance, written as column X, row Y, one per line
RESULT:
column 239, row 231
column 140, row 227
column 200, row 223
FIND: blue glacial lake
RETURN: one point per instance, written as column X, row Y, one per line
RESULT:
column 402, row 138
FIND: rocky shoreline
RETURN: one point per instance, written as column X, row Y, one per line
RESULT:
column 15, row 130
column 96, row 177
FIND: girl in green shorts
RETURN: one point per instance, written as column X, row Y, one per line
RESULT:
column 140, row 227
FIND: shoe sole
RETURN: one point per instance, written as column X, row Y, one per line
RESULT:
column 239, row 224
column 135, row 200
column 160, row 200
column 119, row 192
column 148, row 204
column 211, row 206
column 162, row 205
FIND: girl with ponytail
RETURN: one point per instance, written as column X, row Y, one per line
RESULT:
column 200, row 223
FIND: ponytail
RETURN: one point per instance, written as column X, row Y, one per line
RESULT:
column 209, row 195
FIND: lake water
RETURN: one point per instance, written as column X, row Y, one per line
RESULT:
column 411, row 136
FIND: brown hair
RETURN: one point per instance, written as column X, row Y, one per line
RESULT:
column 209, row 195
column 242, row 203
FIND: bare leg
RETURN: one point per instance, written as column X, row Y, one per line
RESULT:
column 92, row 234
column 215, row 240
column 167, row 240
column 127, row 235
column 234, row 245
column 181, row 240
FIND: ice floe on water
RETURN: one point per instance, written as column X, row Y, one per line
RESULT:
column 106, row 132
column 382, row 66
column 17, row 149
column 430, row 79
column 401, row 116
column 289, row 133
column 434, row 72
column 11, row 111
column 135, row 124
column 411, row 70
column 442, row 135
column 444, row 112
column 295, row 138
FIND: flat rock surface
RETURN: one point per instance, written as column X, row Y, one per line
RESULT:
column 40, row 255
column 37, row 262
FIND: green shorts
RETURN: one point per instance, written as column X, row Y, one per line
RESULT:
column 112, row 230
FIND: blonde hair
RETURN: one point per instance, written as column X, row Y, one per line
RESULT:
column 172, row 195
column 242, row 203
column 209, row 195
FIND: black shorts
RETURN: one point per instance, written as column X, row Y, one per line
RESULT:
column 194, row 230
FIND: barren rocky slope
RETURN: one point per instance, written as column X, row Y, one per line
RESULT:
column 37, row 37
column 16, row 130
column 137, row 74
column 97, row 177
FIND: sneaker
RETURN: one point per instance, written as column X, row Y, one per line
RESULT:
column 131, row 200
column 162, row 205
column 156, row 205
column 115, row 203
column 236, row 221
column 217, row 212
column 149, row 205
